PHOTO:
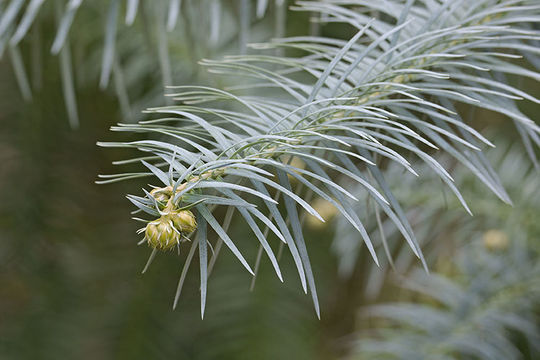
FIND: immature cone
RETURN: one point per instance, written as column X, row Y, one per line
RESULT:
column 161, row 234
column 184, row 221
column 325, row 209
column 167, row 231
column 495, row 240
column 160, row 195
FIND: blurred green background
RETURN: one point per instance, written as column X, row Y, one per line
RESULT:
column 70, row 271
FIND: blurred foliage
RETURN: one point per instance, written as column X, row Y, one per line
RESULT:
column 486, row 310
column 132, row 49
column 482, row 300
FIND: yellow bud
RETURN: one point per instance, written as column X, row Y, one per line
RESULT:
column 325, row 209
column 160, row 234
column 160, row 195
column 339, row 114
column 297, row 163
column 399, row 79
column 495, row 240
column 184, row 221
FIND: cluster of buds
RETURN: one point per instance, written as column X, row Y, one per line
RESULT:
column 172, row 226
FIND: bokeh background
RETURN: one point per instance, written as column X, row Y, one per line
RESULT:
column 70, row 270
